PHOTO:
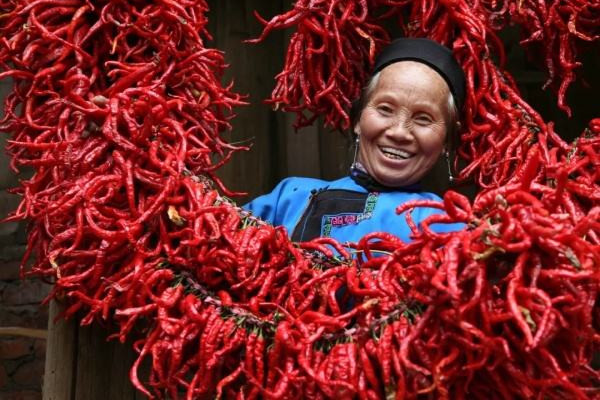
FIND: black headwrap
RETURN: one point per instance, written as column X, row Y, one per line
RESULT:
column 430, row 53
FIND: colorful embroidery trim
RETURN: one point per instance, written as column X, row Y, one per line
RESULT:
column 338, row 220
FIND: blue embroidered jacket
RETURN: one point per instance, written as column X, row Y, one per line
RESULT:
column 341, row 209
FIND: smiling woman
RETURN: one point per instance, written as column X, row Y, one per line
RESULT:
column 402, row 123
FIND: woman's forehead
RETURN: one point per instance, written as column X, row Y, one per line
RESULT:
column 411, row 76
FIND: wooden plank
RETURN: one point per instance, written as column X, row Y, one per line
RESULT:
column 336, row 153
column 252, row 67
column 278, row 150
column 25, row 332
column 61, row 349
column 102, row 366
column 302, row 149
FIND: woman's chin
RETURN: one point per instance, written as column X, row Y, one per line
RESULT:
column 394, row 172
column 392, row 179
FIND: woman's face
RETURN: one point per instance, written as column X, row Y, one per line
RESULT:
column 403, row 125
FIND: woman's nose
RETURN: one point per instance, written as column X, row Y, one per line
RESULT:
column 400, row 129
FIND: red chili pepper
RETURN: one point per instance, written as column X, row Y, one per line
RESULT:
column 228, row 380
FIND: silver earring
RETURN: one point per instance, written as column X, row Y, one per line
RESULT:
column 449, row 165
column 356, row 142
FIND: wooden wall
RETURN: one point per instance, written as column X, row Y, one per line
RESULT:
column 277, row 150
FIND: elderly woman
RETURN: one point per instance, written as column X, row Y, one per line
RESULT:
column 403, row 122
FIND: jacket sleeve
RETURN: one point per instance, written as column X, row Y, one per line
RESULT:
column 265, row 206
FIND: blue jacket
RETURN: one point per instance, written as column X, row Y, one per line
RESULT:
column 341, row 209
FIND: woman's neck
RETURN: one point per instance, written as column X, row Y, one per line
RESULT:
column 359, row 174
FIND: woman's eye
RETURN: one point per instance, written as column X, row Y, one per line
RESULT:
column 384, row 109
column 423, row 119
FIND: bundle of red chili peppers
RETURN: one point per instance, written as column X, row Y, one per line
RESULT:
column 554, row 26
column 497, row 122
column 326, row 60
column 118, row 108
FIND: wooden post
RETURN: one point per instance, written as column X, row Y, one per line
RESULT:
column 103, row 367
column 60, row 364
column 82, row 365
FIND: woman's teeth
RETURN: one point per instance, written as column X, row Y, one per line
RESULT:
column 395, row 154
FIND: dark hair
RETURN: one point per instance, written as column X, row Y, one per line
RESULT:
column 428, row 52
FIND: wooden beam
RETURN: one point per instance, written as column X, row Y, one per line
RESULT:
column 61, row 354
column 26, row 332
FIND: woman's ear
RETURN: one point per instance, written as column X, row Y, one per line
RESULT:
column 453, row 138
column 357, row 129
column 445, row 151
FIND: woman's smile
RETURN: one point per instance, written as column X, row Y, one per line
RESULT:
column 395, row 154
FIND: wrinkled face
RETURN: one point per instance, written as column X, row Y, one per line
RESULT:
column 403, row 125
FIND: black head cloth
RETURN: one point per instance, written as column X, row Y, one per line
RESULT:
column 428, row 52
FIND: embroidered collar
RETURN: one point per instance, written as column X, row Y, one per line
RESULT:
column 362, row 178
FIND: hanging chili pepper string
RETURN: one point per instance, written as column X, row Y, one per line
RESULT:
column 477, row 45
column 333, row 69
